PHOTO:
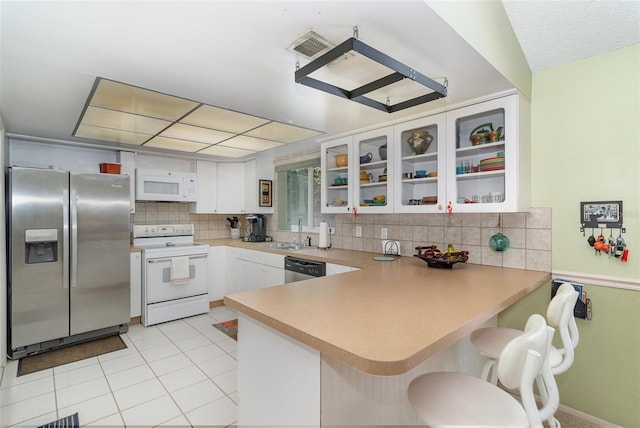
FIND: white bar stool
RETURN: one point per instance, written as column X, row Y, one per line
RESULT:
column 450, row 398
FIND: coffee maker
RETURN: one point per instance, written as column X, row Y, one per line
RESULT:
column 257, row 228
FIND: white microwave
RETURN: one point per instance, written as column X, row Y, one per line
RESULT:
column 166, row 186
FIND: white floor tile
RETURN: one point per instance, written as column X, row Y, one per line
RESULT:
column 77, row 375
column 228, row 345
column 182, row 378
column 170, row 364
column 218, row 365
column 222, row 313
column 152, row 413
column 193, row 342
column 139, row 393
column 159, row 352
column 180, row 421
column 25, row 391
column 130, row 377
column 114, row 420
column 75, row 365
column 10, row 375
column 151, row 341
column 234, row 396
column 228, row 381
column 197, row 320
column 205, row 353
column 122, row 363
column 27, row 409
column 196, row 395
column 220, row 412
column 66, row 397
column 37, row 421
column 93, row 409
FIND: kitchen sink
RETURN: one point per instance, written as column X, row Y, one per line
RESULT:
column 283, row 245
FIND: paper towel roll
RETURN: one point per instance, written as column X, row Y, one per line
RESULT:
column 323, row 241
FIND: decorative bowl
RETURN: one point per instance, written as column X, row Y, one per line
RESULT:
column 342, row 160
column 419, row 142
column 437, row 259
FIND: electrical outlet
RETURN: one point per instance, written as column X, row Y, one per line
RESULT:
column 383, row 233
column 332, row 230
column 358, row 231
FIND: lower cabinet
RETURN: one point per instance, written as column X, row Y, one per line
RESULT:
column 217, row 272
column 252, row 270
column 135, row 279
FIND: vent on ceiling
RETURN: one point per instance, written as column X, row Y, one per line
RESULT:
column 310, row 45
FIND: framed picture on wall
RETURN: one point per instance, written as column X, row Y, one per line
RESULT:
column 601, row 214
column 265, row 193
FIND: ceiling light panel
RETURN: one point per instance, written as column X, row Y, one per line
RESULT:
column 131, row 99
column 283, row 133
column 106, row 118
column 175, row 144
column 113, row 135
column 250, row 143
column 228, row 152
column 224, row 120
column 195, row 133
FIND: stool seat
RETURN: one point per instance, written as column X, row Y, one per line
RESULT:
column 449, row 398
column 490, row 341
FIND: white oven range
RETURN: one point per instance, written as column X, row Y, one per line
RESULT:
column 174, row 272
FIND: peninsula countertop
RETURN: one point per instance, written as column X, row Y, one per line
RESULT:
column 389, row 316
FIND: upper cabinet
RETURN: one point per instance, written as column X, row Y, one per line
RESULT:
column 420, row 165
column 488, row 155
column 471, row 159
column 231, row 187
column 357, row 173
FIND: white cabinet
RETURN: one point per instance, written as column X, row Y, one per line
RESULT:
column 488, row 155
column 420, row 165
column 135, row 281
column 231, row 188
column 365, row 182
column 255, row 269
column 217, row 272
column 207, row 173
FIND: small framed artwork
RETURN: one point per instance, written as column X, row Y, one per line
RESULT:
column 601, row 214
column 265, row 193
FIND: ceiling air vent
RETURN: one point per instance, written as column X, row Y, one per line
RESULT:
column 310, row 45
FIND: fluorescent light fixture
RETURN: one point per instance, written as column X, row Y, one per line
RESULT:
column 126, row 114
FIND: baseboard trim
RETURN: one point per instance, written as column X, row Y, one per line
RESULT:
column 135, row 320
column 216, row 303
column 586, row 417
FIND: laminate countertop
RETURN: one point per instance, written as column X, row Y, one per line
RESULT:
column 389, row 316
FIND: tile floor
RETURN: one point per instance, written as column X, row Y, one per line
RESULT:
column 178, row 373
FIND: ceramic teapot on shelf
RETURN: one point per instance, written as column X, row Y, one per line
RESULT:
column 366, row 158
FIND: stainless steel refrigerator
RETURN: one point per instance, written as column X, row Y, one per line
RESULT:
column 68, row 258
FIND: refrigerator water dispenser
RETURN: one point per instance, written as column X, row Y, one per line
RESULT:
column 41, row 246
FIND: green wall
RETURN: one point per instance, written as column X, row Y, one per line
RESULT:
column 586, row 147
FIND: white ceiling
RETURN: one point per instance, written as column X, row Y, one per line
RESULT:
column 232, row 54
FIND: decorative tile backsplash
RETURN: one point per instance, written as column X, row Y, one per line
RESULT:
column 529, row 233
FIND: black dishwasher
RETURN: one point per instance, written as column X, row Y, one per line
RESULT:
column 297, row 269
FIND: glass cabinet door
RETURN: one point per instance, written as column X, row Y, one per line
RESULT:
column 372, row 171
column 483, row 157
column 420, row 165
column 335, row 160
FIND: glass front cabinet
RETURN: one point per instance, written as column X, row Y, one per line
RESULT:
column 420, row 165
column 471, row 159
column 488, row 156
column 357, row 173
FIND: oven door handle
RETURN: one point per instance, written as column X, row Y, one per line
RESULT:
column 168, row 259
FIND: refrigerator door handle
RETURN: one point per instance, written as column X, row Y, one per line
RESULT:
column 65, row 239
column 74, row 237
